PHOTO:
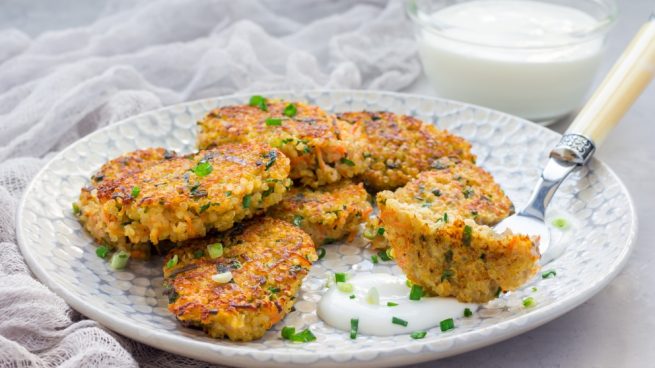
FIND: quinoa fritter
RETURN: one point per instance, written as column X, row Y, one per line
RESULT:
column 328, row 213
column 321, row 150
column 267, row 260
column 433, row 225
column 400, row 147
column 184, row 197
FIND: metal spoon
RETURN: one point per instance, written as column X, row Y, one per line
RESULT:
column 618, row 91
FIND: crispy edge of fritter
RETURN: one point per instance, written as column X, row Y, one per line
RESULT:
column 399, row 147
column 452, row 256
column 268, row 259
column 130, row 162
column 328, row 213
column 321, row 150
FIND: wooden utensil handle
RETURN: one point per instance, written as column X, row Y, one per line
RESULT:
column 621, row 87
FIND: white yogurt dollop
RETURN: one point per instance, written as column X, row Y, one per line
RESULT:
column 337, row 308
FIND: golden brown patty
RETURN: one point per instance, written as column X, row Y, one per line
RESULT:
column 130, row 162
column 327, row 213
column 400, row 146
column 185, row 197
column 429, row 225
column 267, row 258
column 321, row 151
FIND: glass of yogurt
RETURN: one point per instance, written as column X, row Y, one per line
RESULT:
column 531, row 58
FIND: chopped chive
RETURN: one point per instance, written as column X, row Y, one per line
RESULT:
column 347, row 161
column 340, row 277
column 352, row 296
column 102, row 251
column 290, row 110
column 215, row 250
column 466, row 236
column 384, row 256
column 287, row 332
column 198, row 253
column 498, row 291
column 321, row 253
column 258, row 101
column 529, row 302
column 119, row 260
column 416, row 293
column 204, row 207
column 408, row 283
column 467, row 312
column 345, row 287
column 274, row 290
column 135, row 192
column 380, row 231
column 447, row 324
column 389, row 253
column 398, row 321
column 76, row 209
column 417, row 335
column 560, row 223
column 373, row 296
column 436, row 192
column 534, row 289
column 272, row 157
column 548, row 274
column 445, row 217
column 354, row 325
column 273, row 122
column 172, row 262
column 392, row 304
column 246, row 201
column 446, row 274
column 374, row 259
column 297, row 220
column 368, row 234
column 202, row 169
column 468, row 192
column 303, row 336
column 228, row 193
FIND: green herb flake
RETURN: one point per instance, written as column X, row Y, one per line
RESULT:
column 198, row 253
column 384, row 256
column 529, row 302
column 560, row 223
column 274, row 290
column 297, row 220
column 534, row 289
column 436, row 192
column 215, row 250
column 135, row 192
column 374, row 259
column 467, row 312
column 380, row 231
column 446, row 274
column 303, row 336
column 288, row 332
column 102, row 251
column 272, row 157
column 467, row 235
column 416, row 293
column 354, row 326
column 76, row 209
column 340, row 277
column 368, row 234
column 246, row 201
column 347, row 161
column 202, row 169
column 447, row 324
column 468, row 192
column 321, row 253
column 290, row 110
column 398, row 321
column 352, row 296
column 417, row 335
column 258, row 101
column 205, row 207
column 228, row 193
column 273, row 122
column 172, row 262
column 392, row 304
column 500, row 290
column 548, row 274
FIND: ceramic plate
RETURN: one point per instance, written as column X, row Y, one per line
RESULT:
column 602, row 229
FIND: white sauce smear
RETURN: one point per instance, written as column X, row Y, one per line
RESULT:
column 336, row 308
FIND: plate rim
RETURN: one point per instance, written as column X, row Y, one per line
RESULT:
column 205, row 351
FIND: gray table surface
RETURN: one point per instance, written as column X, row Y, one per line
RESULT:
column 612, row 329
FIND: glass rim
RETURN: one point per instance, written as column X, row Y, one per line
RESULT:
column 602, row 26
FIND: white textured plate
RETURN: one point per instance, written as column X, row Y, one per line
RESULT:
column 130, row 302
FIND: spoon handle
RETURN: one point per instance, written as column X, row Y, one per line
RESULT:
column 626, row 80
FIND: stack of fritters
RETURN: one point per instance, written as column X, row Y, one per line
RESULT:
column 207, row 201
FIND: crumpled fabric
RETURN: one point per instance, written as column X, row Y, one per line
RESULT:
column 61, row 85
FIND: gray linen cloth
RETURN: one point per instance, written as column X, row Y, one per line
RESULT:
column 61, row 85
